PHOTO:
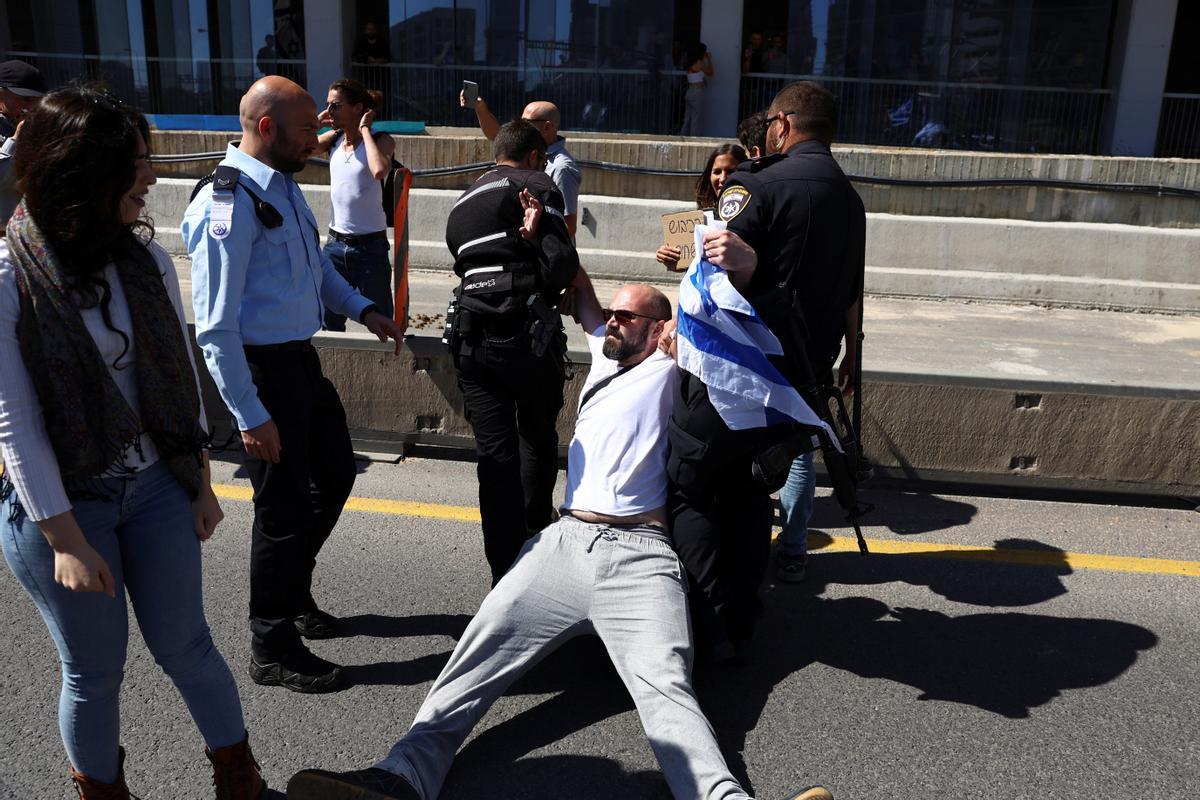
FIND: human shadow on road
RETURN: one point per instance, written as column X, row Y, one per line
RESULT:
column 400, row 673
column 979, row 577
column 1006, row 663
column 385, row 627
column 552, row 778
column 395, row 673
column 903, row 513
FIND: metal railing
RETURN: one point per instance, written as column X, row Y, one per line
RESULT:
column 618, row 100
column 163, row 85
column 959, row 116
column 1179, row 126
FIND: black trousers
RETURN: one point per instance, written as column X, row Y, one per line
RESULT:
column 720, row 516
column 297, row 501
column 512, row 400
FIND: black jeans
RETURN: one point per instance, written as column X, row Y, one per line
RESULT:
column 720, row 516
column 512, row 400
column 297, row 501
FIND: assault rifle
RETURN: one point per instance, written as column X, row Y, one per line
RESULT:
column 844, row 461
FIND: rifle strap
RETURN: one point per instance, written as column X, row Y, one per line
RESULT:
column 600, row 384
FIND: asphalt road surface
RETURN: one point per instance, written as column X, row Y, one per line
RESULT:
column 1054, row 657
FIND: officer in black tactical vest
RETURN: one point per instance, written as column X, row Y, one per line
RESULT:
column 794, row 248
column 514, row 255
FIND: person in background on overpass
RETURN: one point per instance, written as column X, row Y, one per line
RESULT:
column 699, row 70
column 605, row 567
column 21, row 89
column 560, row 165
column 371, row 48
column 359, row 160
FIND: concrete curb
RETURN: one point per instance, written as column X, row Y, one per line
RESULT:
column 1024, row 435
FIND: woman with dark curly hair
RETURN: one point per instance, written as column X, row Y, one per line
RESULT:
column 106, row 483
column 720, row 165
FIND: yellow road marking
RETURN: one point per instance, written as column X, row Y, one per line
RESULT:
column 833, row 544
column 398, row 508
column 1037, row 558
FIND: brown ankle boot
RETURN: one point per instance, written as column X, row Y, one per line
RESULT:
column 91, row 789
column 235, row 772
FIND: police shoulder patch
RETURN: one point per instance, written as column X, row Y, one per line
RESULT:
column 733, row 200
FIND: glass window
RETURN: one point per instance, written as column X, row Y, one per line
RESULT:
column 607, row 64
column 980, row 74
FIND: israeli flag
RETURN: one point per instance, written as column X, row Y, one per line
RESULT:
column 723, row 342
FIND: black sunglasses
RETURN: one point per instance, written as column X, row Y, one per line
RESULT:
column 625, row 317
column 334, row 106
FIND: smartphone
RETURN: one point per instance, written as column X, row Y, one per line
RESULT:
column 470, row 94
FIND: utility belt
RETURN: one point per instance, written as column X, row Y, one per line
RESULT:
column 298, row 346
column 501, row 302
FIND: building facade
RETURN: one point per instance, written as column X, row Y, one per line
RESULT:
column 1070, row 76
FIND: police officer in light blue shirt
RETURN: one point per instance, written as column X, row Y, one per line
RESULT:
column 259, row 288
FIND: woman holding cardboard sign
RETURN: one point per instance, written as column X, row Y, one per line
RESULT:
column 720, row 165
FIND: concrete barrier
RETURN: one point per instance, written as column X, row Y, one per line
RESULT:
column 1014, row 433
column 444, row 147
column 1055, row 263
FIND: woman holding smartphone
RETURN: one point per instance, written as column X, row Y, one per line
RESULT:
column 106, row 484
column 359, row 159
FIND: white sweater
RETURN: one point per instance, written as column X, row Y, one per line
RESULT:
column 24, row 444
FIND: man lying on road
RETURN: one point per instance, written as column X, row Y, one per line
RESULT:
column 605, row 567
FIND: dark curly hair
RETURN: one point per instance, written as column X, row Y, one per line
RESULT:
column 76, row 158
column 74, row 161
column 705, row 196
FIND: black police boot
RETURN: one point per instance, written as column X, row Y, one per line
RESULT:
column 300, row 671
column 316, row 624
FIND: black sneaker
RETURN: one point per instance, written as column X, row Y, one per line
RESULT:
column 301, row 672
column 811, row 793
column 316, row 624
column 791, row 569
column 363, row 784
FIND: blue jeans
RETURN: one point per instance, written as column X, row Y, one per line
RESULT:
column 796, row 498
column 366, row 267
column 145, row 535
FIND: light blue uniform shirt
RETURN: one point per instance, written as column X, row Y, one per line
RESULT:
column 563, row 170
column 258, row 285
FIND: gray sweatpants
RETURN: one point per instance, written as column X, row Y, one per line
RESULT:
column 626, row 585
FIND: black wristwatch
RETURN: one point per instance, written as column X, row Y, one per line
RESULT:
column 362, row 317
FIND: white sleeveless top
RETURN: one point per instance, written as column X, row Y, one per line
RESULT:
column 356, row 195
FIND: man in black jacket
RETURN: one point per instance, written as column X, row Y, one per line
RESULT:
column 514, row 255
column 794, row 248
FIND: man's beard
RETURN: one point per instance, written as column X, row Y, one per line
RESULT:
column 619, row 347
column 286, row 161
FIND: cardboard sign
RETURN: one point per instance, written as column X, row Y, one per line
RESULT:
column 679, row 230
